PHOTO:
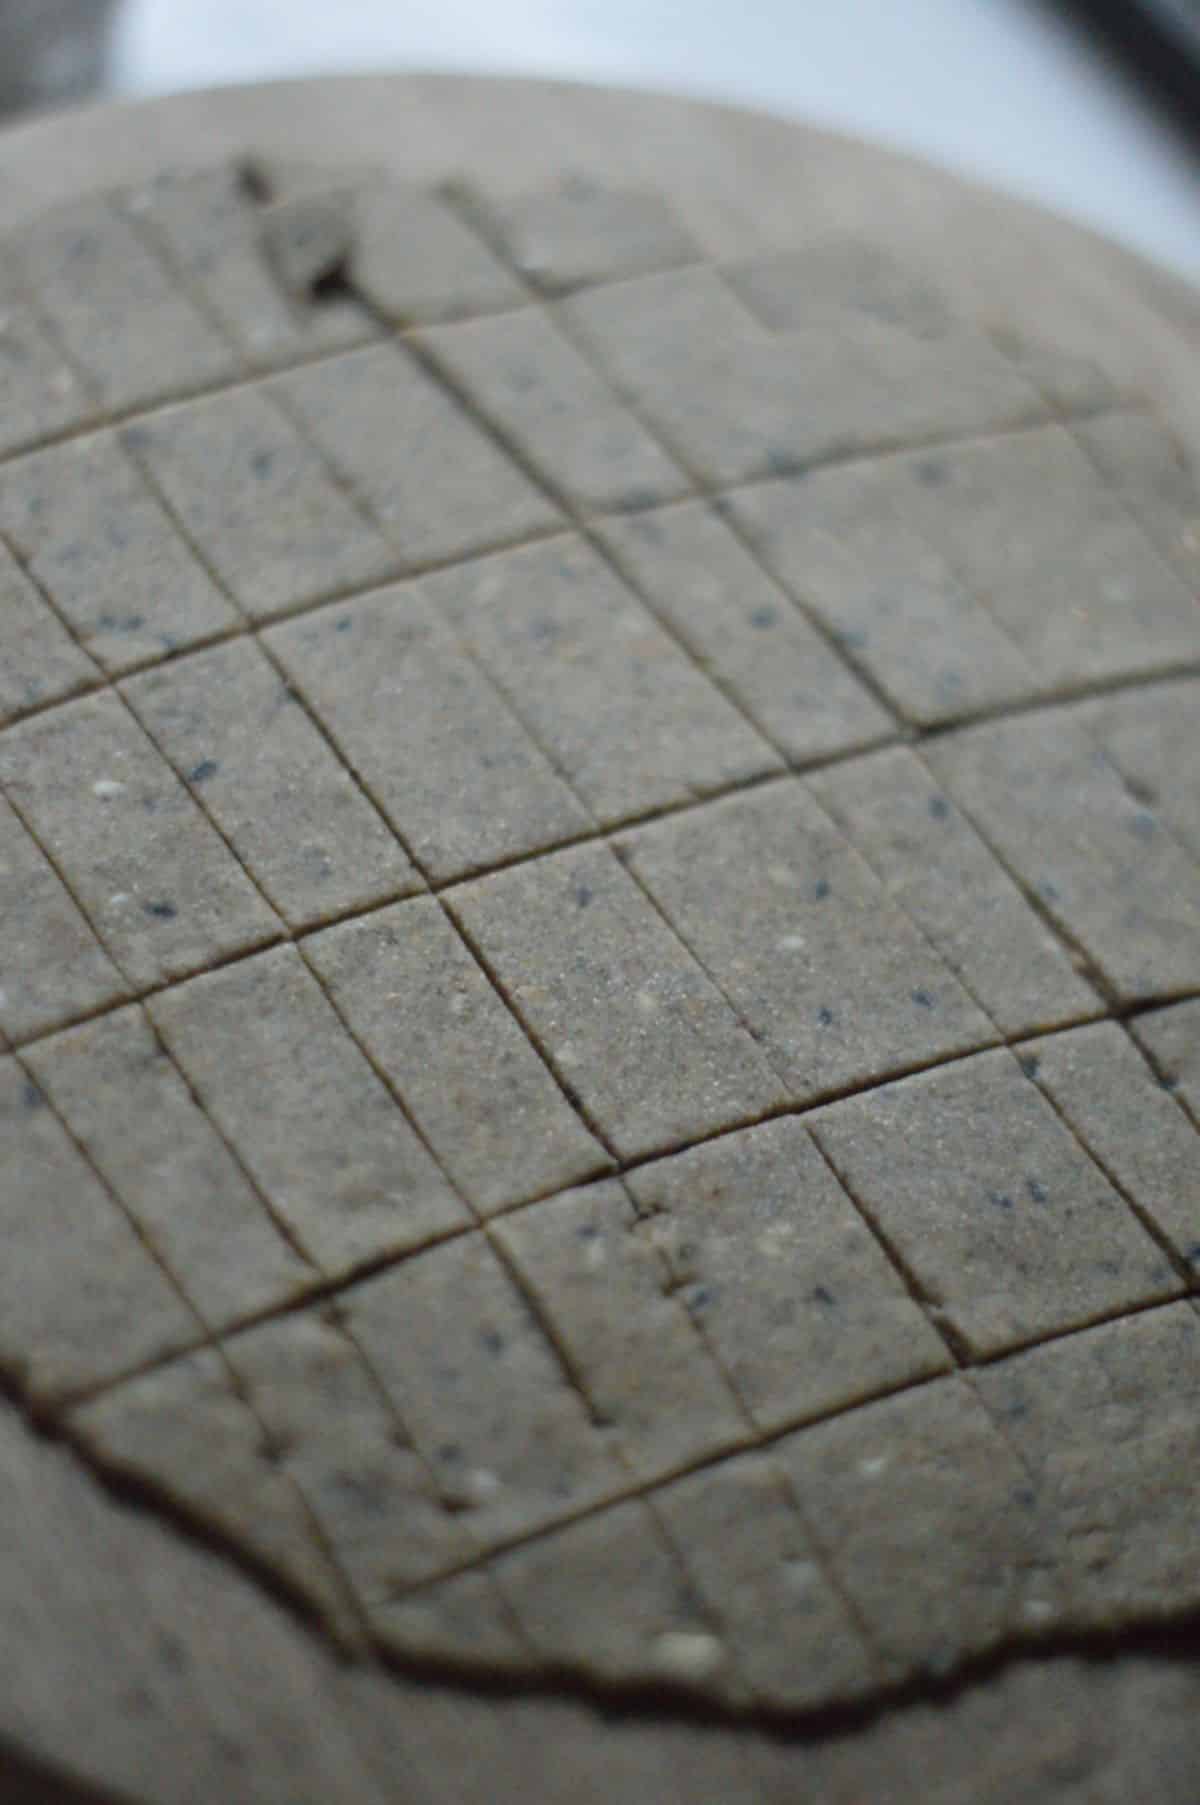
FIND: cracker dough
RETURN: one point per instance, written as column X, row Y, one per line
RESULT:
column 600, row 1090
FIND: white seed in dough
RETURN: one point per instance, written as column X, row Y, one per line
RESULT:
column 688, row 1654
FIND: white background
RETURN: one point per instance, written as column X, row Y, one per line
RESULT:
column 995, row 88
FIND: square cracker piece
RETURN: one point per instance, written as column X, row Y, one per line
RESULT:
column 782, row 1276
column 1009, row 1229
column 625, row 1016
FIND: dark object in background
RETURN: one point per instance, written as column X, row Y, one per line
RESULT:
column 1159, row 39
column 52, row 51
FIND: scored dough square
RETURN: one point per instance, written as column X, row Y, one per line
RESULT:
column 582, row 232
column 924, row 1487
column 943, row 875
column 1105, row 1089
column 534, row 387
column 1150, row 734
column 129, row 1110
column 629, row 720
column 317, row 1129
column 620, row 1553
column 835, row 274
column 98, row 540
column 85, row 1301
column 161, row 888
column 275, row 526
column 1109, row 1420
column 460, row 1620
column 431, row 1021
column 626, row 1017
column 375, row 411
column 1064, row 567
column 1103, row 867
column 43, row 395
column 1148, row 470
column 438, row 749
column 829, row 974
column 845, row 544
column 481, row 1390
column 1007, row 1226
column 238, row 736
column 601, row 1286
column 730, row 400
column 707, row 590
column 415, row 260
column 342, row 1444
column 39, row 661
column 740, row 1535
column 118, row 312
column 54, row 968
column 782, row 1276
column 1172, row 1039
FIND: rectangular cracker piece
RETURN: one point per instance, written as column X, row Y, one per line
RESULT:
column 433, row 479
column 275, row 526
column 929, row 1522
column 1010, row 1230
column 428, row 1016
column 581, row 232
column 1172, row 1039
column 1150, row 734
column 118, row 312
column 440, row 753
column 1128, row 1122
column 315, row 1126
column 236, row 734
column 563, row 1588
column 711, row 594
column 210, row 232
column 835, row 275
column 731, row 401
column 122, row 1098
column 1109, row 1422
column 931, row 860
column 415, row 260
column 804, row 940
column 161, row 888
column 39, row 661
column 742, row 1541
column 1150, row 472
column 183, row 1430
column 459, row 1621
column 52, row 967
column 100, row 543
column 844, row 542
column 624, row 1014
column 482, row 1392
column 602, row 1287
column 625, row 715
column 1063, row 564
column 782, row 1275
column 1104, row 868
column 534, row 387
column 81, row 1299
column 340, row 1442
column 43, row 395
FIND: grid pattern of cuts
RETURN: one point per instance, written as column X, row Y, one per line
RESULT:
column 600, row 868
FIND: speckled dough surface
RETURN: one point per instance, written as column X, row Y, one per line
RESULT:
column 599, row 1037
